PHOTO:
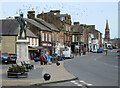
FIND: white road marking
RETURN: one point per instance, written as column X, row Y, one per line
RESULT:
column 89, row 84
column 79, row 85
column 72, row 81
column 81, row 81
column 76, row 83
column 85, row 83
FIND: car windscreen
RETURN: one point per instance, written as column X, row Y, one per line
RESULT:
column 13, row 55
column 4, row 54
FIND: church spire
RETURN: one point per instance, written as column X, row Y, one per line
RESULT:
column 107, row 32
column 107, row 27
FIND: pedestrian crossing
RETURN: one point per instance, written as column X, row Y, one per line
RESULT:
column 81, row 83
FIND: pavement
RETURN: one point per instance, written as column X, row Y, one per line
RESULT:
column 35, row 76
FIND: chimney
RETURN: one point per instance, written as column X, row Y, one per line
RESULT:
column 76, row 23
column 31, row 14
column 42, row 12
column 57, row 12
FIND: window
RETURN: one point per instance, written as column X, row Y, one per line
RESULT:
column 32, row 41
column 42, row 36
column 76, row 38
column 66, row 28
column 29, row 39
column 69, row 28
column 72, row 38
column 46, row 36
column 50, row 37
column 35, row 41
column 53, row 36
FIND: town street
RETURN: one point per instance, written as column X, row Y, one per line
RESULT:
column 93, row 69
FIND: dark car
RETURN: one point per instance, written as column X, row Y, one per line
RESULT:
column 37, row 58
column 62, row 56
column 5, row 58
column 57, row 57
column 13, row 58
column 99, row 51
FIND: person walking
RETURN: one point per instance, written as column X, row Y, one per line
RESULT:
column 45, row 60
column 41, row 58
column 49, row 60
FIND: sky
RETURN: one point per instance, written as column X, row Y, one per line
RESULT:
column 95, row 13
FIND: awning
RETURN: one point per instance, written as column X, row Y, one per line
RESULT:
column 35, row 47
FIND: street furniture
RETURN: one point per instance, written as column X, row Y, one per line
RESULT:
column 47, row 76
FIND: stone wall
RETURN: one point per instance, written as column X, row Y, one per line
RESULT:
column 9, row 44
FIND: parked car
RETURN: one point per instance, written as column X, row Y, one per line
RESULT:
column 37, row 58
column 57, row 56
column 5, row 58
column 62, row 56
column 110, row 48
column 68, row 53
column 99, row 51
column 13, row 58
column 118, row 52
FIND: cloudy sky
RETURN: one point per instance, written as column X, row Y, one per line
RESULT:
column 85, row 12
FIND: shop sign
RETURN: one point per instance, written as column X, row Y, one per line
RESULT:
column 49, row 45
column 44, row 44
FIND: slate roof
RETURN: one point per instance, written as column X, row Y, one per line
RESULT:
column 10, row 27
column 35, row 23
column 51, row 26
column 30, row 34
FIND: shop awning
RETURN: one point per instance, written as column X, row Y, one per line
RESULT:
column 35, row 47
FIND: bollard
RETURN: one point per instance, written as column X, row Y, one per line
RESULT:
column 105, row 52
column 47, row 76
column 57, row 63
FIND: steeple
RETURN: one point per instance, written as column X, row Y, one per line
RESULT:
column 107, row 26
column 107, row 32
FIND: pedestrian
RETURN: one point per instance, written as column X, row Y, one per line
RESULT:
column 45, row 59
column 49, row 60
column 41, row 59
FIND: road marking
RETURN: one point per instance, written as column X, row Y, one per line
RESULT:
column 81, row 81
column 76, row 83
column 85, row 83
column 72, row 81
column 79, row 85
column 89, row 84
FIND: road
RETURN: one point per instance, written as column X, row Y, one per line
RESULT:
column 94, row 69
